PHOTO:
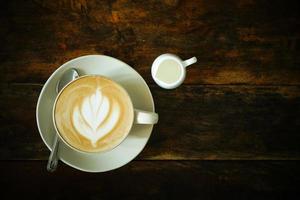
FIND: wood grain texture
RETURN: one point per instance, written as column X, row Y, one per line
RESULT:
column 251, row 42
column 155, row 180
column 196, row 122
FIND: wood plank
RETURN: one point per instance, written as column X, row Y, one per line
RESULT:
column 155, row 180
column 238, row 42
column 196, row 123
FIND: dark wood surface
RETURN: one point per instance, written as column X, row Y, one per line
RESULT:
column 158, row 180
column 232, row 129
column 212, row 123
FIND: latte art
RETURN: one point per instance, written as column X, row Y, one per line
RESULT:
column 93, row 114
column 96, row 116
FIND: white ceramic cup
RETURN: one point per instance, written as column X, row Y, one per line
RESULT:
column 181, row 63
column 140, row 117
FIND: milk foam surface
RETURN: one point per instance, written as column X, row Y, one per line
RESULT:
column 93, row 114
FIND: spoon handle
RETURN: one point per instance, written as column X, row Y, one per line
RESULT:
column 53, row 158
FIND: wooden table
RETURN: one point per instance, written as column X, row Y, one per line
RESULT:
column 232, row 129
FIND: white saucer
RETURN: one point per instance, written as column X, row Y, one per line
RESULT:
column 141, row 99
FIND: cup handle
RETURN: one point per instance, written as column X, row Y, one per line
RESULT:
column 189, row 61
column 145, row 117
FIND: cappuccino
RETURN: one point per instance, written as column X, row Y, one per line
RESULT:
column 93, row 114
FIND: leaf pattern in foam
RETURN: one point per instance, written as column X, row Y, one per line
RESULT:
column 95, row 109
column 93, row 118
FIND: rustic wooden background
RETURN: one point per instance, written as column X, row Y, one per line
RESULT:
column 232, row 129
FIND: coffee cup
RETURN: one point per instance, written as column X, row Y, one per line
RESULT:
column 94, row 114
